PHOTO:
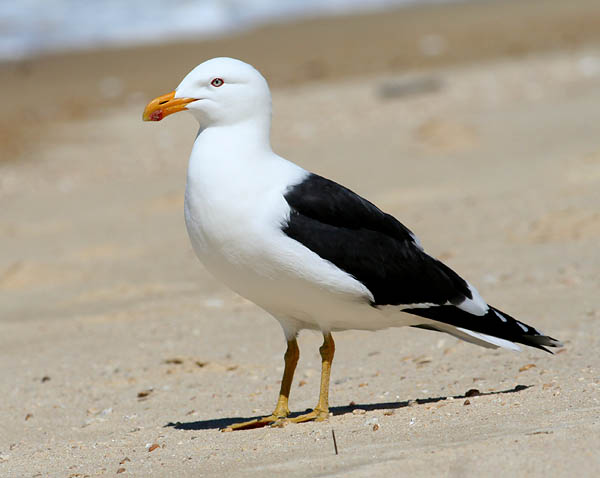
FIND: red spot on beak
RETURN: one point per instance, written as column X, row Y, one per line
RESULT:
column 156, row 115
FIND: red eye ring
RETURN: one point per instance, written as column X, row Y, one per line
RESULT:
column 217, row 82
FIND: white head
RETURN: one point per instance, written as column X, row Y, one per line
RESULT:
column 220, row 91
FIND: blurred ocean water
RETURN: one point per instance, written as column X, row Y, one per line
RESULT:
column 30, row 27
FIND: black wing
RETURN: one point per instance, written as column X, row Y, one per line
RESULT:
column 380, row 252
column 372, row 246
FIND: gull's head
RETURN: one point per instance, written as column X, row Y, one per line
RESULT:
column 220, row 91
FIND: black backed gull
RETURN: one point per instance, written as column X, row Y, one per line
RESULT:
column 307, row 250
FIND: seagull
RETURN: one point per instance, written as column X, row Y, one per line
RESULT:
column 310, row 252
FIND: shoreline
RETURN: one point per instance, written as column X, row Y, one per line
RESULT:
column 323, row 49
column 80, row 85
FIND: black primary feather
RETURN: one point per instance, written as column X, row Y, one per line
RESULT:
column 491, row 324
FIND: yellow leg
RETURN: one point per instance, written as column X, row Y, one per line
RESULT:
column 281, row 409
column 321, row 411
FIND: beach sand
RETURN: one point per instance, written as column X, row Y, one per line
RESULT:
column 120, row 354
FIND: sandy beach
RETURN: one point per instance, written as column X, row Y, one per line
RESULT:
column 477, row 127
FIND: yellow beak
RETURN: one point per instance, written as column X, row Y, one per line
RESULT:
column 165, row 105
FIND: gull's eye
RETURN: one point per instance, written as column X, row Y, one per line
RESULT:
column 217, row 82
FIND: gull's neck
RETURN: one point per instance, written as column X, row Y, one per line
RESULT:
column 249, row 137
column 227, row 155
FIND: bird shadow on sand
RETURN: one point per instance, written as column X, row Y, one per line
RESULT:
column 218, row 423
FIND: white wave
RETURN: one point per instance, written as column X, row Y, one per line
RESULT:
column 30, row 27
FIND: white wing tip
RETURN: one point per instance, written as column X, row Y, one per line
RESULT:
column 506, row 344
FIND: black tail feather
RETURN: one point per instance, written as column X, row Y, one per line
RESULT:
column 494, row 323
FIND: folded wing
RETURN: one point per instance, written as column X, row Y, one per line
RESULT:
column 380, row 252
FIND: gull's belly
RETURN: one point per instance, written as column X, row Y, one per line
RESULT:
column 259, row 262
column 235, row 227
